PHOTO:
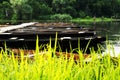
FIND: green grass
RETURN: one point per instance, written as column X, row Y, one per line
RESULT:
column 46, row 67
column 89, row 20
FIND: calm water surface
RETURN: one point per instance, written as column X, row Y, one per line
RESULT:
column 110, row 30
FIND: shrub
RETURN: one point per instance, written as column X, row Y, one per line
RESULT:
column 61, row 17
column 82, row 14
column 44, row 17
column 87, row 17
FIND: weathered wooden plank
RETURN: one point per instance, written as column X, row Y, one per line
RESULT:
column 8, row 28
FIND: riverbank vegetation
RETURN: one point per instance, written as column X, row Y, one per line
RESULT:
column 93, row 20
column 47, row 67
column 15, row 10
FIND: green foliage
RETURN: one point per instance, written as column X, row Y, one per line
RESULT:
column 64, row 7
column 42, row 9
column 61, row 17
column 45, row 17
column 70, row 10
column 14, row 19
column 45, row 9
column 20, row 9
column 88, row 17
column 5, row 11
column 18, row 3
column 26, row 12
column 82, row 14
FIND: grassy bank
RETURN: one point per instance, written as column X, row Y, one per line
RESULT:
column 75, row 20
column 89, row 20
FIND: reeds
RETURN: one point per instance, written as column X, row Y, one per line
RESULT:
column 49, row 67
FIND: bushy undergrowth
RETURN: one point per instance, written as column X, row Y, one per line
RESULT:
column 61, row 17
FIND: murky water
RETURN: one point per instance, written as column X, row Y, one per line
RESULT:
column 110, row 30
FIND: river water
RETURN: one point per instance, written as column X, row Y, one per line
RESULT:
column 110, row 30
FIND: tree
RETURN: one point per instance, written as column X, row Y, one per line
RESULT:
column 18, row 6
column 116, row 8
column 41, row 10
column 96, row 8
column 26, row 12
column 64, row 7
column 5, row 10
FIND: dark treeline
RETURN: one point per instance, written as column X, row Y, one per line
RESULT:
column 53, row 9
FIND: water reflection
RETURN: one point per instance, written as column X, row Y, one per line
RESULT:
column 112, row 31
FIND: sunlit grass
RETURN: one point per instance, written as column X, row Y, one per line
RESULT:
column 91, row 20
column 48, row 67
